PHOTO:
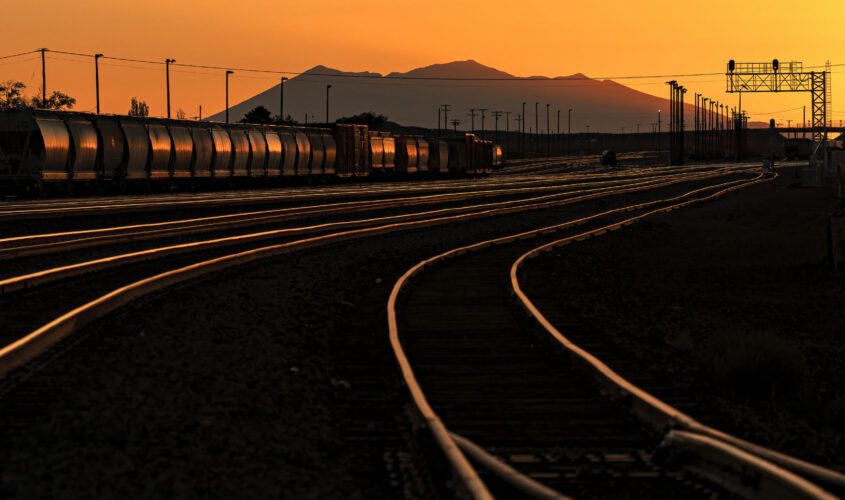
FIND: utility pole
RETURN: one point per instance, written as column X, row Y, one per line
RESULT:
column 536, row 125
column 97, row 78
column 558, row 132
column 522, row 123
column 282, row 98
column 483, row 110
column 228, row 72
column 439, row 108
column 446, row 116
column 548, row 131
column 496, row 115
column 659, row 147
column 43, row 78
column 507, row 125
column 328, row 87
column 471, row 114
column 519, row 121
column 200, row 116
column 568, row 130
column 455, row 124
column 167, row 73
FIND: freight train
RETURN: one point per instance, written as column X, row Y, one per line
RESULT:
column 50, row 151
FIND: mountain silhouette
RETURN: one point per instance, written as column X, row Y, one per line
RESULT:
column 412, row 100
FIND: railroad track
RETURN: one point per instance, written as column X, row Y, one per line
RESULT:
column 99, row 294
column 62, row 241
column 91, row 295
column 523, row 415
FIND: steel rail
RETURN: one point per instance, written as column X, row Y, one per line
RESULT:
column 36, row 239
column 647, row 406
column 449, row 446
column 147, row 203
column 40, row 244
column 31, row 345
column 38, row 278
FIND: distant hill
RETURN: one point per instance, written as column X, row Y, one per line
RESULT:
column 409, row 99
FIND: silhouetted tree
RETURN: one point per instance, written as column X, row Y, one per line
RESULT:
column 258, row 114
column 139, row 108
column 370, row 119
column 12, row 97
column 180, row 114
column 57, row 101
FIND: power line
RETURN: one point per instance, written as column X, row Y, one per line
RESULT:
column 18, row 55
column 381, row 77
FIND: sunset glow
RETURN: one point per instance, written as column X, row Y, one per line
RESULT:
column 599, row 39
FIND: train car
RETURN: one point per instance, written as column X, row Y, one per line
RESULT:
column 110, row 149
column 240, row 151
column 462, row 155
column 137, row 152
column 221, row 167
column 352, row 148
column 46, row 149
column 406, row 155
column 329, row 153
column 182, row 147
column 203, row 158
column 275, row 152
column 289, row 151
column 257, row 166
column 161, row 148
column 34, row 150
column 438, row 156
column 303, row 153
column 84, row 146
column 498, row 156
column 315, row 138
column 422, row 154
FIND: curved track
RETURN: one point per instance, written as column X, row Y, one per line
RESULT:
column 483, row 376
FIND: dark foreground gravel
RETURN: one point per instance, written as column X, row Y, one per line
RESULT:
column 732, row 303
column 271, row 380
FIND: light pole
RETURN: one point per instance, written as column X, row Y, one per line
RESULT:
column 282, row 99
column 548, row 130
column 228, row 72
column 471, row 115
column 536, row 124
column 167, row 63
column 328, row 87
column 568, row 130
column 446, row 116
column 97, row 78
column 483, row 110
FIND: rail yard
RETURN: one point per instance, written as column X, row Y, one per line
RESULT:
column 459, row 250
column 380, row 329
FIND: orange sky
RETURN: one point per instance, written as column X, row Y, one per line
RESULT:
column 527, row 37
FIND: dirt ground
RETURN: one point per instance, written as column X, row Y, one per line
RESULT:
column 732, row 302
